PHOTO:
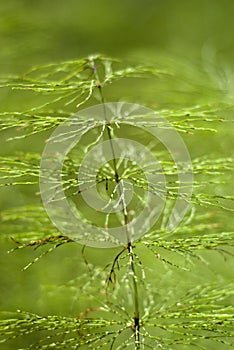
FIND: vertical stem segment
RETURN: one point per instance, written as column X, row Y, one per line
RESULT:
column 136, row 317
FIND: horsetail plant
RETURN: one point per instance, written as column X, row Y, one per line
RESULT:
column 118, row 175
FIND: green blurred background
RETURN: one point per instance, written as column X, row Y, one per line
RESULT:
column 33, row 32
column 194, row 34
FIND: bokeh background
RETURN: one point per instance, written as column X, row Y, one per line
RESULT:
column 194, row 38
column 35, row 32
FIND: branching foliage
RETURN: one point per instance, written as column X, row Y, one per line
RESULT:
column 127, row 309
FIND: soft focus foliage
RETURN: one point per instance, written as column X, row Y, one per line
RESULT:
column 176, row 58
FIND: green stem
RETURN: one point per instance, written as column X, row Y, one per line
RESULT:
column 99, row 85
column 136, row 318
